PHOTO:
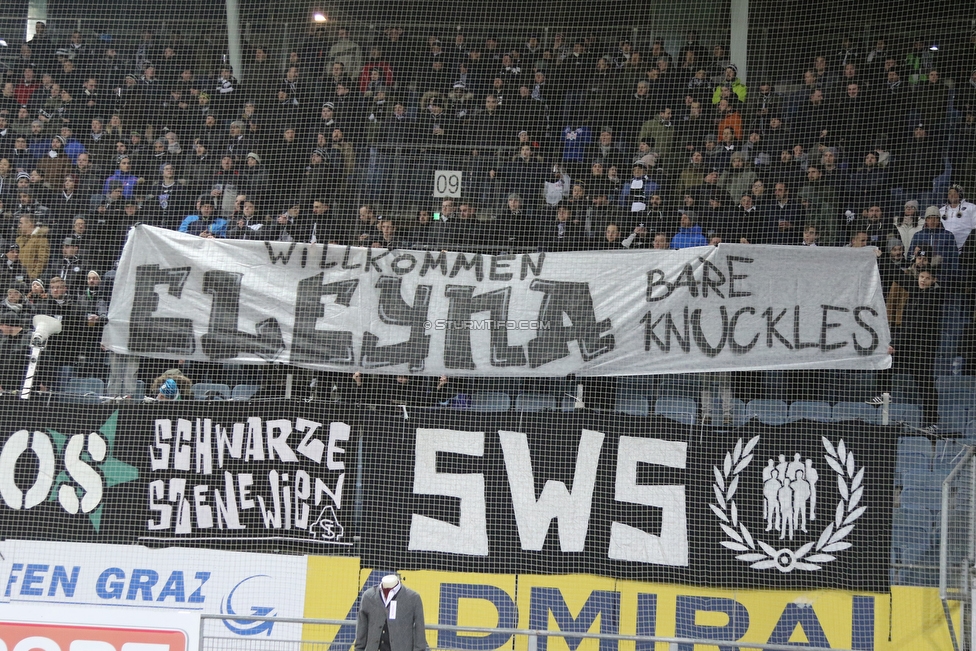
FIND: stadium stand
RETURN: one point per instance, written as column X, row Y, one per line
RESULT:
column 586, row 143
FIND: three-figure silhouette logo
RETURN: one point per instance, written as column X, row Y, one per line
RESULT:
column 789, row 489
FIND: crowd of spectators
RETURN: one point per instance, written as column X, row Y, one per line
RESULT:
column 572, row 143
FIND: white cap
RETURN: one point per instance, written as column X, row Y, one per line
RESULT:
column 390, row 581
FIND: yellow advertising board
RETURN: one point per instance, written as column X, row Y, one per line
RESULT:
column 909, row 619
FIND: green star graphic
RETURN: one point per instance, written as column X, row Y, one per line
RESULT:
column 113, row 470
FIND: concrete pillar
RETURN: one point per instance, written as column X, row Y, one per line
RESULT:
column 234, row 38
column 739, row 31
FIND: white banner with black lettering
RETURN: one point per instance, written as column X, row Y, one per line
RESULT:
column 726, row 308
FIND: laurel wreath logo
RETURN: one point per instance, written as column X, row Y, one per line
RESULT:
column 762, row 556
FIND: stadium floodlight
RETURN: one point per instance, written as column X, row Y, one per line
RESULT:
column 44, row 328
column 319, row 16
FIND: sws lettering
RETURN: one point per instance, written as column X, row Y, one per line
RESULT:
column 570, row 508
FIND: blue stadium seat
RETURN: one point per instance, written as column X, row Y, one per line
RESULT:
column 84, row 390
column 861, row 385
column 769, row 412
column 833, row 386
column 490, row 401
column 635, row 385
column 633, row 405
column 957, row 396
column 536, row 402
column 811, row 410
column 909, row 414
column 683, row 410
column 211, row 391
column 947, row 454
column 914, row 460
column 969, row 432
column 856, row 411
column 775, row 385
column 912, row 535
column 740, row 416
column 918, row 477
column 679, row 385
column 922, row 498
column 244, row 391
column 903, row 388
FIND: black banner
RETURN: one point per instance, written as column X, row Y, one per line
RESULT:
column 240, row 476
column 804, row 505
column 632, row 497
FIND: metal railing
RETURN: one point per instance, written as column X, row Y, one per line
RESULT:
column 957, row 543
column 532, row 636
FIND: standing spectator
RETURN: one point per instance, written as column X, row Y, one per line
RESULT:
column 909, row 223
column 958, row 215
column 168, row 199
column 60, row 303
column 611, row 239
column 89, row 177
column 895, row 278
column 348, row 53
column 869, row 184
column 14, row 349
column 853, row 119
column 731, row 81
column 820, row 206
column 920, row 161
column 124, row 176
column 92, row 305
column 932, row 101
column 72, row 268
column 576, row 137
column 225, row 186
column 13, row 273
column 916, row 343
column 762, row 106
column 941, row 243
column 565, row 234
column 660, row 132
column 525, row 176
column 204, row 220
column 785, row 218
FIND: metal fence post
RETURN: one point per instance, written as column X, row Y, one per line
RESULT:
column 203, row 623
